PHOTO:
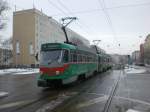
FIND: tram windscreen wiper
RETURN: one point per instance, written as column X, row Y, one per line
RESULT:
column 49, row 62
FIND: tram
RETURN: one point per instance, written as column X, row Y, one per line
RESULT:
column 62, row 63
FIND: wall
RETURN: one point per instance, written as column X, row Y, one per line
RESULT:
column 24, row 33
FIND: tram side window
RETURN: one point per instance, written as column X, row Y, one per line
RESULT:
column 66, row 56
column 74, row 57
column 99, row 59
column 88, row 59
column 79, row 58
column 94, row 59
column 71, row 57
column 84, row 58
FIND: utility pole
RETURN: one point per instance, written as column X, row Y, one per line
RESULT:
column 66, row 21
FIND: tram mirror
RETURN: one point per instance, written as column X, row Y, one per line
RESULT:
column 65, row 57
column 36, row 57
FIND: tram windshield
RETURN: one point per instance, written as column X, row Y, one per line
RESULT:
column 50, row 57
column 54, row 56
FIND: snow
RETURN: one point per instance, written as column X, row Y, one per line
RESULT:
column 2, row 93
column 131, row 110
column 17, row 71
column 29, row 72
column 135, row 70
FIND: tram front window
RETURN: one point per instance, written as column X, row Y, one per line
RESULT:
column 50, row 57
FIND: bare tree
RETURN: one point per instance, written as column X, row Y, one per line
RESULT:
column 6, row 52
column 3, row 8
column 7, row 43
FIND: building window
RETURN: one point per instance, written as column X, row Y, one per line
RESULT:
column 17, row 47
column 31, row 49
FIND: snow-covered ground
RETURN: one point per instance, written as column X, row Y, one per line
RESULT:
column 135, row 70
column 18, row 71
column 2, row 94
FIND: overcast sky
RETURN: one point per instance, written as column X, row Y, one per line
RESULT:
column 113, row 22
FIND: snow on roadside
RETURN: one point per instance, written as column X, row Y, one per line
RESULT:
column 14, row 71
column 3, row 94
column 28, row 72
column 135, row 70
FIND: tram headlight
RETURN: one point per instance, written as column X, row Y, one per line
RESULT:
column 57, row 72
column 41, row 72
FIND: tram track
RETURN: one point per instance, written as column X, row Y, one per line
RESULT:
column 25, row 104
column 85, row 90
column 112, row 94
column 28, row 103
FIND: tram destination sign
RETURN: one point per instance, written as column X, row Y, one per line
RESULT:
column 49, row 46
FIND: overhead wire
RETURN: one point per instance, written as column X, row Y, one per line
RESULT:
column 95, row 10
column 103, row 6
column 107, row 8
column 55, row 6
column 130, row 5
column 58, row 8
column 109, row 21
column 80, row 24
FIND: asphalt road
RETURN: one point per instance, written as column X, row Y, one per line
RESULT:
column 132, row 93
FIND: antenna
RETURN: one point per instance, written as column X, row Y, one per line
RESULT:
column 33, row 5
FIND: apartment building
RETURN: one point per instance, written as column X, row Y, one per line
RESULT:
column 142, row 53
column 147, row 50
column 136, row 57
column 31, row 28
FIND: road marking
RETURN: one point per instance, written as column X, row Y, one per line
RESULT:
column 131, row 110
column 3, row 94
column 13, row 104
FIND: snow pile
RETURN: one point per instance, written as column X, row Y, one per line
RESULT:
column 3, row 94
column 17, row 71
column 130, row 110
column 29, row 72
column 135, row 70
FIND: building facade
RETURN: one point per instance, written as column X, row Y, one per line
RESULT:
column 136, row 57
column 31, row 28
column 142, row 53
column 147, row 50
